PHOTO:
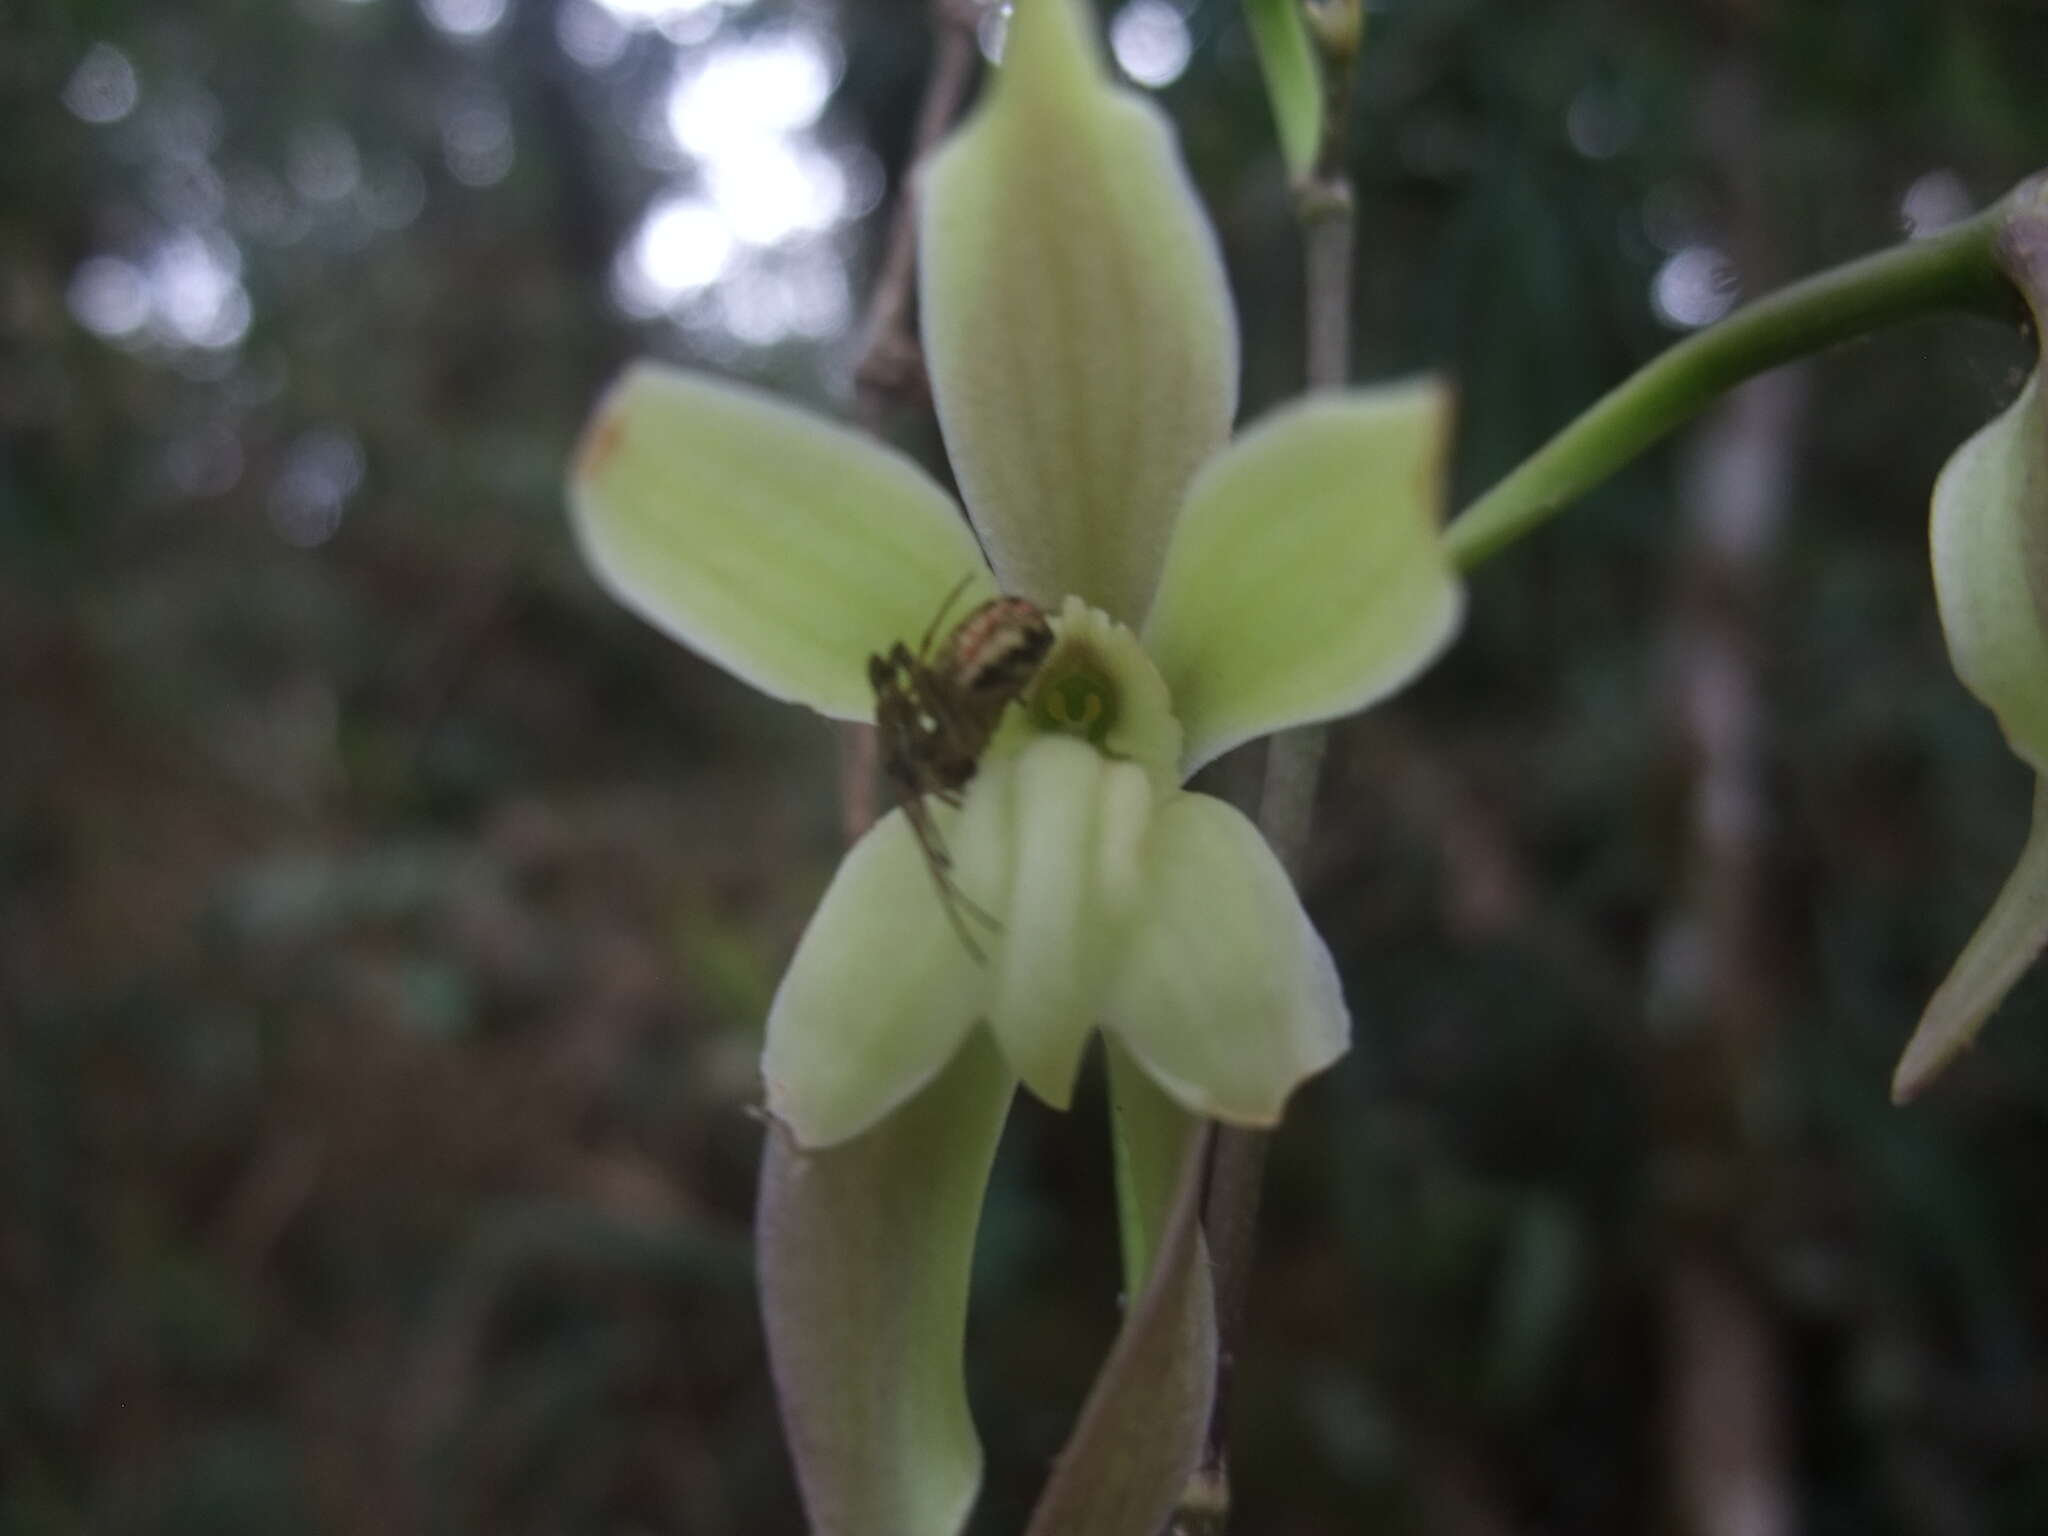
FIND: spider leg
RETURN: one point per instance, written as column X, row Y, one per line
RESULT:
column 919, row 816
column 924, row 646
column 975, row 909
column 939, row 863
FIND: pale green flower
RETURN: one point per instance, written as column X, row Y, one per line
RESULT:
column 1990, row 542
column 1989, row 536
column 1083, row 356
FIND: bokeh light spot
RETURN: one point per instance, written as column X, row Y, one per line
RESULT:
column 394, row 196
column 108, row 296
column 658, row 14
column 772, row 190
column 476, row 140
column 683, row 245
column 993, row 31
column 1933, row 203
column 1151, row 43
column 322, row 470
column 1599, row 124
column 196, row 294
column 1696, row 286
column 204, row 462
column 464, row 18
column 591, row 35
column 103, row 88
column 747, row 91
column 322, row 163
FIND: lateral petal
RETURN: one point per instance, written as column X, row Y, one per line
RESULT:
column 1307, row 577
column 877, row 999
column 769, row 540
column 1225, row 994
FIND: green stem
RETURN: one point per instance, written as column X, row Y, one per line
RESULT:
column 1148, row 1138
column 1294, row 83
column 1956, row 269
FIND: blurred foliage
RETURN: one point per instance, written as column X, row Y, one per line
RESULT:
column 386, row 919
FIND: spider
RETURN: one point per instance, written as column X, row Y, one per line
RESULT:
column 936, row 711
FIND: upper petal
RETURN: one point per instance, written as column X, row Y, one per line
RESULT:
column 779, row 545
column 877, row 999
column 1990, row 518
column 1307, row 576
column 1225, row 994
column 1082, row 347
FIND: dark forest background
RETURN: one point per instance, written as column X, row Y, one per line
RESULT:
column 387, row 919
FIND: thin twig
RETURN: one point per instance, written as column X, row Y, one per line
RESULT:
column 1230, row 1213
column 891, row 366
column 1108, row 1476
column 1323, row 203
column 1230, row 1224
column 1287, row 799
column 1716, row 992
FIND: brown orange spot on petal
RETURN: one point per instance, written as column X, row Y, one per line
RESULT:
column 1436, row 466
column 604, row 439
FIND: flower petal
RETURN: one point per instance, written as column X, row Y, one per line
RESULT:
column 1077, row 322
column 864, row 1259
column 2008, row 941
column 1987, row 533
column 877, row 999
column 1226, row 995
column 779, row 545
column 1078, row 817
column 1990, row 506
column 1307, row 577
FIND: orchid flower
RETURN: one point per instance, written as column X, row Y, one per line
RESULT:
column 1989, row 536
column 1083, row 357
